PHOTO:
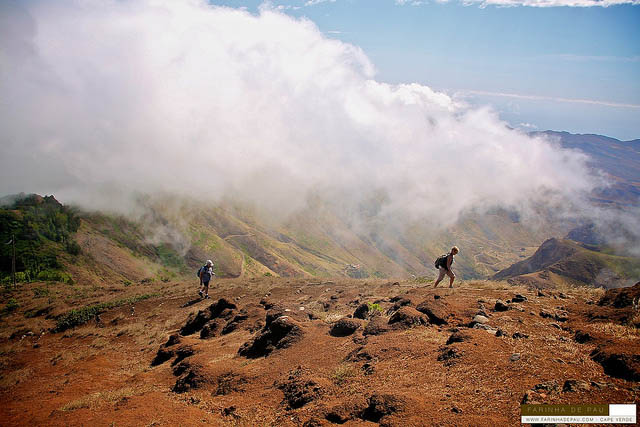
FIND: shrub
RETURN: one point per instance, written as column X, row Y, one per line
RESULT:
column 12, row 305
column 40, row 292
column 374, row 307
column 73, row 247
column 55, row 276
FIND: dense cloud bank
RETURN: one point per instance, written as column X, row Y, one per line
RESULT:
column 103, row 99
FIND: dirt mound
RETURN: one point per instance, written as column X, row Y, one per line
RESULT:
column 376, row 326
column 362, row 312
column 299, row 388
column 621, row 297
column 230, row 382
column 458, row 336
column 436, row 310
column 191, row 378
column 618, row 363
column 381, row 405
column 344, row 327
column 282, row 332
column 407, row 317
column 220, row 309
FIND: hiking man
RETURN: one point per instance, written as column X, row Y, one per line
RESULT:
column 206, row 272
column 444, row 265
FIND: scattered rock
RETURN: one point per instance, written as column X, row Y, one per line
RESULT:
column 519, row 298
column 344, row 327
column 456, row 410
column 487, row 328
column 618, row 364
column 582, row 337
column 277, row 334
column 547, row 387
column 407, row 317
column 500, row 333
column 575, row 385
column 546, row 314
column 519, row 335
column 515, row 357
column 555, row 325
column 561, row 316
column 541, row 294
column 436, row 311
column 479, row 319
column 458, row 337
column 500, row 306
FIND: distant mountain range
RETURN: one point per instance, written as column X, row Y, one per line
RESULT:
column 619, row 159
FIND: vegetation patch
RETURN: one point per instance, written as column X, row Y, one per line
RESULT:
column 81, row 316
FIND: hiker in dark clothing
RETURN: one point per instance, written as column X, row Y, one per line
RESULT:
column 206, row 272
column 445, row 268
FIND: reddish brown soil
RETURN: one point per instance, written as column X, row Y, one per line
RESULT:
column 102, row 374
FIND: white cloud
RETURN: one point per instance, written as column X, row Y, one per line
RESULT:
column 549, row 98
column 181, row 97
column 531, row 3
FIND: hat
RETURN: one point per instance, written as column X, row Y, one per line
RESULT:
column 209, row 262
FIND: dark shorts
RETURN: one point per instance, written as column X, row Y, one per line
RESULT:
column 205, row 283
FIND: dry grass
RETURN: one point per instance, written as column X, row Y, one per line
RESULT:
column 108, row 396
column 15, row 377
column 343, row 372
column 617, row 331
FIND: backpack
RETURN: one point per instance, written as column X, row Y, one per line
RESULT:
column 441, row 261
column 199, row 271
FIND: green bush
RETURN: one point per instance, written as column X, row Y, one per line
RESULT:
column 374, row 307
column 54, row 276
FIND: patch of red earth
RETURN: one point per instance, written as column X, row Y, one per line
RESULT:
column 401, row 377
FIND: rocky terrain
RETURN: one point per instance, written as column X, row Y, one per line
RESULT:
column 277, row 351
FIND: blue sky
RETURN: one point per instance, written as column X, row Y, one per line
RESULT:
column 561, row 68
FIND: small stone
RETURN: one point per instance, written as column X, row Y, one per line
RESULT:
column 541, row 294
column 518, row 335
column 501, row 306
column 575, row 385
column 514, row 357
column 519, row 298
column 478, row 318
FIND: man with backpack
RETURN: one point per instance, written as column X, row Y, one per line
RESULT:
column 443, row 263
column 205, row 273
